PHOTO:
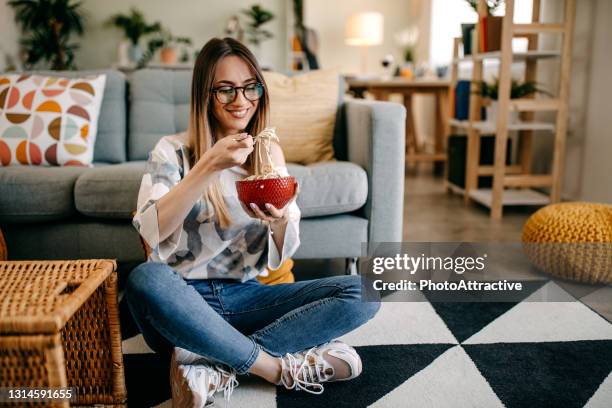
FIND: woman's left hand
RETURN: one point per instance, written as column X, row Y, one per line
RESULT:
column 273, row 215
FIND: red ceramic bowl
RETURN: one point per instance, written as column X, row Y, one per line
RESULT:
column 276, row 191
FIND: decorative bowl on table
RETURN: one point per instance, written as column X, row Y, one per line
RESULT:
column 276, row 191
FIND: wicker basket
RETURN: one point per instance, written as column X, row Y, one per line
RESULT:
column 59, row 327
column 571, row 241
column 3, row 251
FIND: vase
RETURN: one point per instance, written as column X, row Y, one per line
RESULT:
column 406, row 70
column 466, row 33
column 492, row 114
column 123, row 53
column 261, row 57
column 135, row 53
column 168, row 55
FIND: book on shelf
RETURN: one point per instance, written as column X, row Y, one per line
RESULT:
column 490, row 33
column 482, row 45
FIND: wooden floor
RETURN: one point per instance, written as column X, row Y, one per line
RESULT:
column 432, row 215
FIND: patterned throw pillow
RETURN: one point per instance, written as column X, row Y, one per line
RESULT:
column 49, row 121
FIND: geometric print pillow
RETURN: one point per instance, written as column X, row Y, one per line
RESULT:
column 49, row 121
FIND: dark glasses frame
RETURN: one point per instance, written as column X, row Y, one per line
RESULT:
column 258, row 85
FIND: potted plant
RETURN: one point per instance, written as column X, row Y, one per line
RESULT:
column 134, row 27
column 407, row 40
column 490, row 93
column 255, row 33
column 50, row 26
column 492, row 5
column 491, row 28
column 167, row 44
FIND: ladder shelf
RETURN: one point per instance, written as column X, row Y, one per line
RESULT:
column 513, row 183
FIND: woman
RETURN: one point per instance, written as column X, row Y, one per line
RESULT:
column 197, row 295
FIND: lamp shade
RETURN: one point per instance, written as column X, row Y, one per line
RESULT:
column 364, row 29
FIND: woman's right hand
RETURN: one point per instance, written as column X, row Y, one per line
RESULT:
column 230, row 151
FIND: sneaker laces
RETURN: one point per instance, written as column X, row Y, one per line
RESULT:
column 219, row 379
column 230, row 382
column 308, row 370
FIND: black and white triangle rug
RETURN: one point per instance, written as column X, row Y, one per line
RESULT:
column 422, row 354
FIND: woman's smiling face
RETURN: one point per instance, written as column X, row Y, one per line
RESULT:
column 233, row 117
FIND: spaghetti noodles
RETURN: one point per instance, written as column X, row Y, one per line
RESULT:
column 263, row 168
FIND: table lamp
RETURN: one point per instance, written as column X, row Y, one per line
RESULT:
column 364, row 30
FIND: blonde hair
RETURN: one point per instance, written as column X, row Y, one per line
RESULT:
column 203, row 126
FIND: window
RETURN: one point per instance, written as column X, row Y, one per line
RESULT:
column 446, row 19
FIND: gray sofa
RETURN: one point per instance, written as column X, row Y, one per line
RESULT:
column 69, row 212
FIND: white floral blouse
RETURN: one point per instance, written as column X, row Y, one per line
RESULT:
column 200, row 248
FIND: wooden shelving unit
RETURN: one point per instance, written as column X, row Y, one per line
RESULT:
column 513, row 184
column 517, row 56
column 488, row 128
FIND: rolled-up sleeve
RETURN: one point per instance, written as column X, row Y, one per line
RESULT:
column 291, row 241
column 162, row 172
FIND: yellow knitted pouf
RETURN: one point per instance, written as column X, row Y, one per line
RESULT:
column 280, row 275
column 571, row 241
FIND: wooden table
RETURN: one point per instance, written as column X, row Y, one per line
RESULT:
column 382, row 88
column 59, row 327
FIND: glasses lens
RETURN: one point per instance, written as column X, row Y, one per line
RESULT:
column 253, row 92
column 226, row 95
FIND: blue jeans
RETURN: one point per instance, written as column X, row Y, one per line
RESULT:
column 229, row 322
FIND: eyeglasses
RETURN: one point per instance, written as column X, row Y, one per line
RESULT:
column 228, row 94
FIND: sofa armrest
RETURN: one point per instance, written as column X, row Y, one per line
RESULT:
column 376, row 142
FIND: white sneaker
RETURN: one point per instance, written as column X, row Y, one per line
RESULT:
column 195, row 381
column 306, row 370
column 344, row 352
column 184, row 356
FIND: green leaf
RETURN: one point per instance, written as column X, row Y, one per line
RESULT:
column 258, row 16
column 492, row 5
column 517, row 89
column 133, row 24
column 47, row 26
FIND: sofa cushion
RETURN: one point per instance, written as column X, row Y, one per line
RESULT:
column 330, row 187
column 159, row 106
column 334, row 236
column 109, row 191
column 325, row 188
column 111, row 138
column 303, row 110
column 111, row 143
column 35, row 194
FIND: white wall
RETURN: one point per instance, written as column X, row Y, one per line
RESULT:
column 9, row 34
column 548, row 76
column 200, row 20
column 197, row 19
column 597, row 171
